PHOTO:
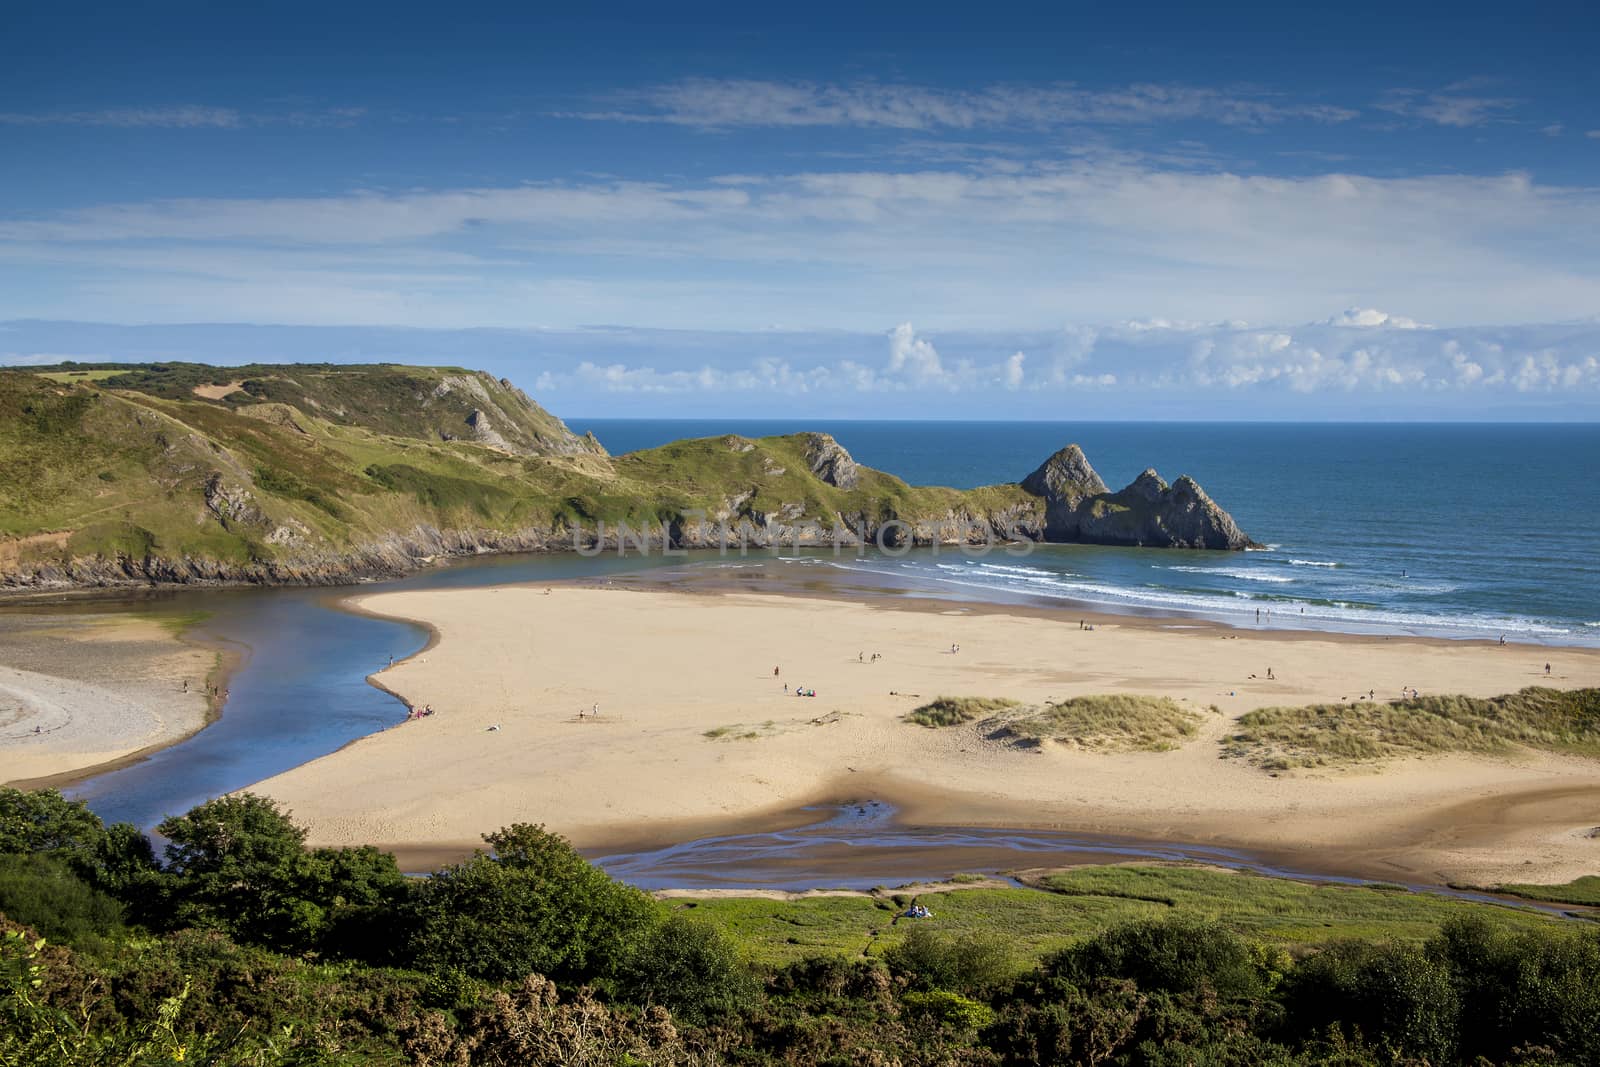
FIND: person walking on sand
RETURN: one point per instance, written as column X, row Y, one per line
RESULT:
column 1270, row 676
column 595, row 711
column 774, row 672
column 1547, row 670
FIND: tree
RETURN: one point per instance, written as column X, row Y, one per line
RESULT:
column 533, row 907
column 239, row 864
column 45, row 822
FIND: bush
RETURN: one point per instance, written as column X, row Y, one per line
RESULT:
column 950, row 1009
column 1515, row 989
column 44, row 894
column 534, row 907
column 1169, row 956
column 688, row 967
column 1394, row 997
column 967, row 963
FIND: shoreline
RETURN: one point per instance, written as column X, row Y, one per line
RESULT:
column 402, row 786
column 86, row 694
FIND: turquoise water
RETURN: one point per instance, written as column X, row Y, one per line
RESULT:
column 1437, row 529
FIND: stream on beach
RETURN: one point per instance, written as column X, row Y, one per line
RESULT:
column 299, row 690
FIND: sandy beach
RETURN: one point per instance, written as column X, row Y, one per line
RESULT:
column 87, row 690
column 695, row 732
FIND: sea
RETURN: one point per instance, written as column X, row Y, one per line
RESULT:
column 1484, row 531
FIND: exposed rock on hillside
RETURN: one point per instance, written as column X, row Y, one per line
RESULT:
column 1079, row 508
column 828, row 460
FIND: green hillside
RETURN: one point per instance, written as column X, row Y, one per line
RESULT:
column 180, row 472
column 317, row 472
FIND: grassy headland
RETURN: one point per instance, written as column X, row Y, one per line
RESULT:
column 318, row 472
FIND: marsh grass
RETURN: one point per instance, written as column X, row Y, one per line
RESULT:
column 953, row 711
column 1078, row 903
column 1111, row 722
column 1331, row 734
column 1583, row 891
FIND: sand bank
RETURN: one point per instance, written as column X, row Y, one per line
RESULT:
column 696, row 732
column 85, row 690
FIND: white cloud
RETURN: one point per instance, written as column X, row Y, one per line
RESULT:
column 914, row 358
column 1079, row 241
column 1012, row 375
column 724, row 104
column 186, row 117
column 1371, row 317
column 1109, row 369
column 1446, row 108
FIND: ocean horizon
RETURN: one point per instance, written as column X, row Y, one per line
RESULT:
column 1466, row 530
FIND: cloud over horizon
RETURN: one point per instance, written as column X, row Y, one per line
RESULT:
column 1362, row 360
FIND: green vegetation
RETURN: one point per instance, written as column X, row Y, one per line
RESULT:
column 1324, row 734
column 1275, row 911
column 109, row 470
column 243, row 947
column 1584, row 892
column 1114, row 721
column 953, row 711
column 1118, row 722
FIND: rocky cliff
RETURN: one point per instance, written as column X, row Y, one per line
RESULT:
column 1149, row 512
column 111, row 476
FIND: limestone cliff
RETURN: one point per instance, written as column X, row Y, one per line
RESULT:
column 1149, row 512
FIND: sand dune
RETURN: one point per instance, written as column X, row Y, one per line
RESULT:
column 666, row 669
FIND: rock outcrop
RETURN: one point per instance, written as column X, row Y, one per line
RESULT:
column 1150, row 513
column 829, row 461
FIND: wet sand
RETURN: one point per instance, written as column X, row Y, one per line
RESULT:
column 696, row 735
column 85, row 692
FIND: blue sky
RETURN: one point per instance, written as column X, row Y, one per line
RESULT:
column 1075, row 210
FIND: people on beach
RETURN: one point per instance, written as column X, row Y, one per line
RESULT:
column 1547, row 670
column 775, row 673
column 1270, row 676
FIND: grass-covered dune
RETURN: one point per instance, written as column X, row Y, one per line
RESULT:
column 1364, row 730
column 315, row 472
column 1103, row 722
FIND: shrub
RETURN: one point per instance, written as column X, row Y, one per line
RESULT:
column 689, row 967
column 1394, row 997
column 950, row 1009
column 967, row 963
column 1169, row 956
column 44, row 894
column 534, row 907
